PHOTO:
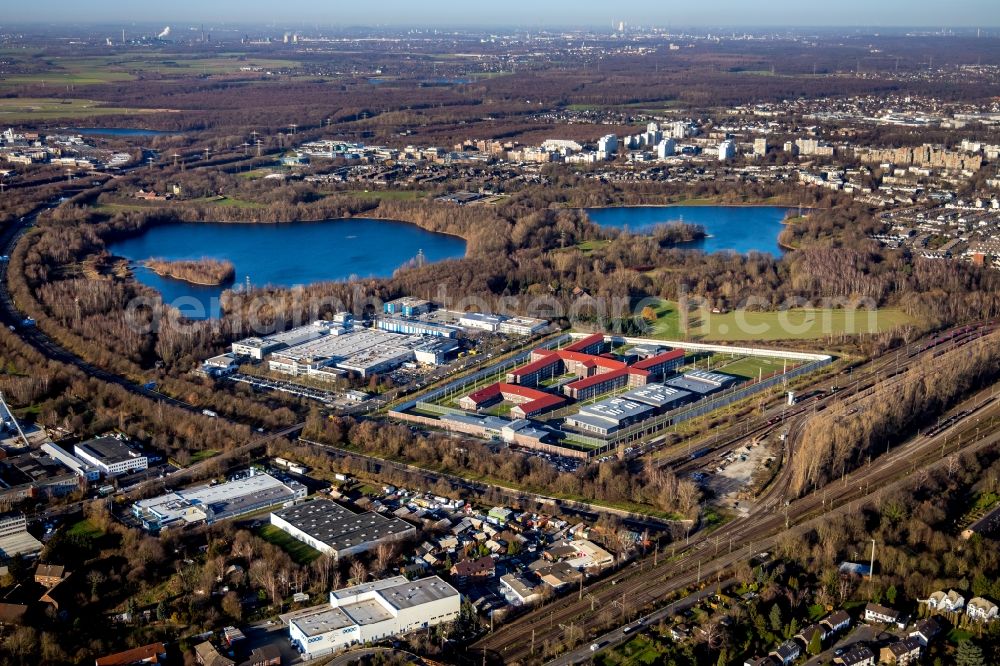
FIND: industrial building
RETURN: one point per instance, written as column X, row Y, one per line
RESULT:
column 416, row 327
column 75, row 464
column 526, row 326
column 408, row 306
column 701, row 382
column 364, row 351
column 660, row 397
column 15, row 539
column 257, row 348
column 481, row 321
column 212, row 503
column 35, row 474
column 372, row 611
column 112, row 456
column 609, row 416
column 337, row 531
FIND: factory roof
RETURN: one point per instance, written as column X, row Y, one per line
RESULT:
column 339, row 527
column 109, row 450
column 414, row 593
column 615, row 410
column 324, row 620
column 221, row 500
column 657, row 395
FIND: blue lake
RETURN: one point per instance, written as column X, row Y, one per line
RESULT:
column 286, row 255
column 737, row 228
column 119, row 131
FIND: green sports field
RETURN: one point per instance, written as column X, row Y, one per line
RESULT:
column 795, row 324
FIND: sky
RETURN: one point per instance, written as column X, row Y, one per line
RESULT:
column 568, row 13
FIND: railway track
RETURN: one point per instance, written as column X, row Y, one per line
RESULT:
column 707, row 554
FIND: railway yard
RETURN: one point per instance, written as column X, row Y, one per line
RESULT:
column 710, row 554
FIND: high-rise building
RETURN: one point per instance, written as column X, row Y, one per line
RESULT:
column 666, row 148
column 608, row 144
column 727, row 151
column 760, row 147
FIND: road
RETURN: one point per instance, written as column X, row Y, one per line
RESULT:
column 705, row 556
column 618, row 636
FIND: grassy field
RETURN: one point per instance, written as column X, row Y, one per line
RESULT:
column 85, row 528
column 22, row 109
column 796, row 324
column 97, row 70
column 199, row 456
column 300, row 552
column 753, row 367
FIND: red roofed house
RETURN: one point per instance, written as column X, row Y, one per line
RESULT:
column 147, row 654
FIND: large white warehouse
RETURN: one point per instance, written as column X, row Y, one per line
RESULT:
column 371, row 612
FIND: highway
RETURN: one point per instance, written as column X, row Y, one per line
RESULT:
column 705, row 556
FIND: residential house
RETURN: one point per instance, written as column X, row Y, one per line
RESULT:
column 901, row 653
column 806, row 635
column 787, row 652
column 858, row 655
column 266, row 655
column 468, row 572
column 207, row 655
column 146, row 654
column 680, row 632
column 945, row 603
column 520, row 590
column 49, row 575
column 926, row 631
column 877, row 614
column 836, row 621
column 760, row 661
column 981, row 610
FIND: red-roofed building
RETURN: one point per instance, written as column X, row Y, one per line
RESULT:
column 661, row 365
column 147, row 654
column 603, row 382
column 592, row 344
column 528, row 401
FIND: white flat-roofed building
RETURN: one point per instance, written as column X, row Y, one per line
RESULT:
column 78, row 466
column 416, row 327
column 523, row 326
column 608, row 416
column 481, row 321
column 363, row 350
column 373, row 611
column 112, row 456
column 259, row 347
column 338, row 531
column 663, row 398
column 700, row 382
column 212, row 503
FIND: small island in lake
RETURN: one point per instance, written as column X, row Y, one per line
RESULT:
column 196, row 271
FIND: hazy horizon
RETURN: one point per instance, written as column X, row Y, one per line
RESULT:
column 556, row 13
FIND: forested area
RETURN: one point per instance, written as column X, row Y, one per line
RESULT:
column 834, row 445
column 609, row 482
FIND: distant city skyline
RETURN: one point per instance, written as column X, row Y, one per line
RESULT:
column 563, row 13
